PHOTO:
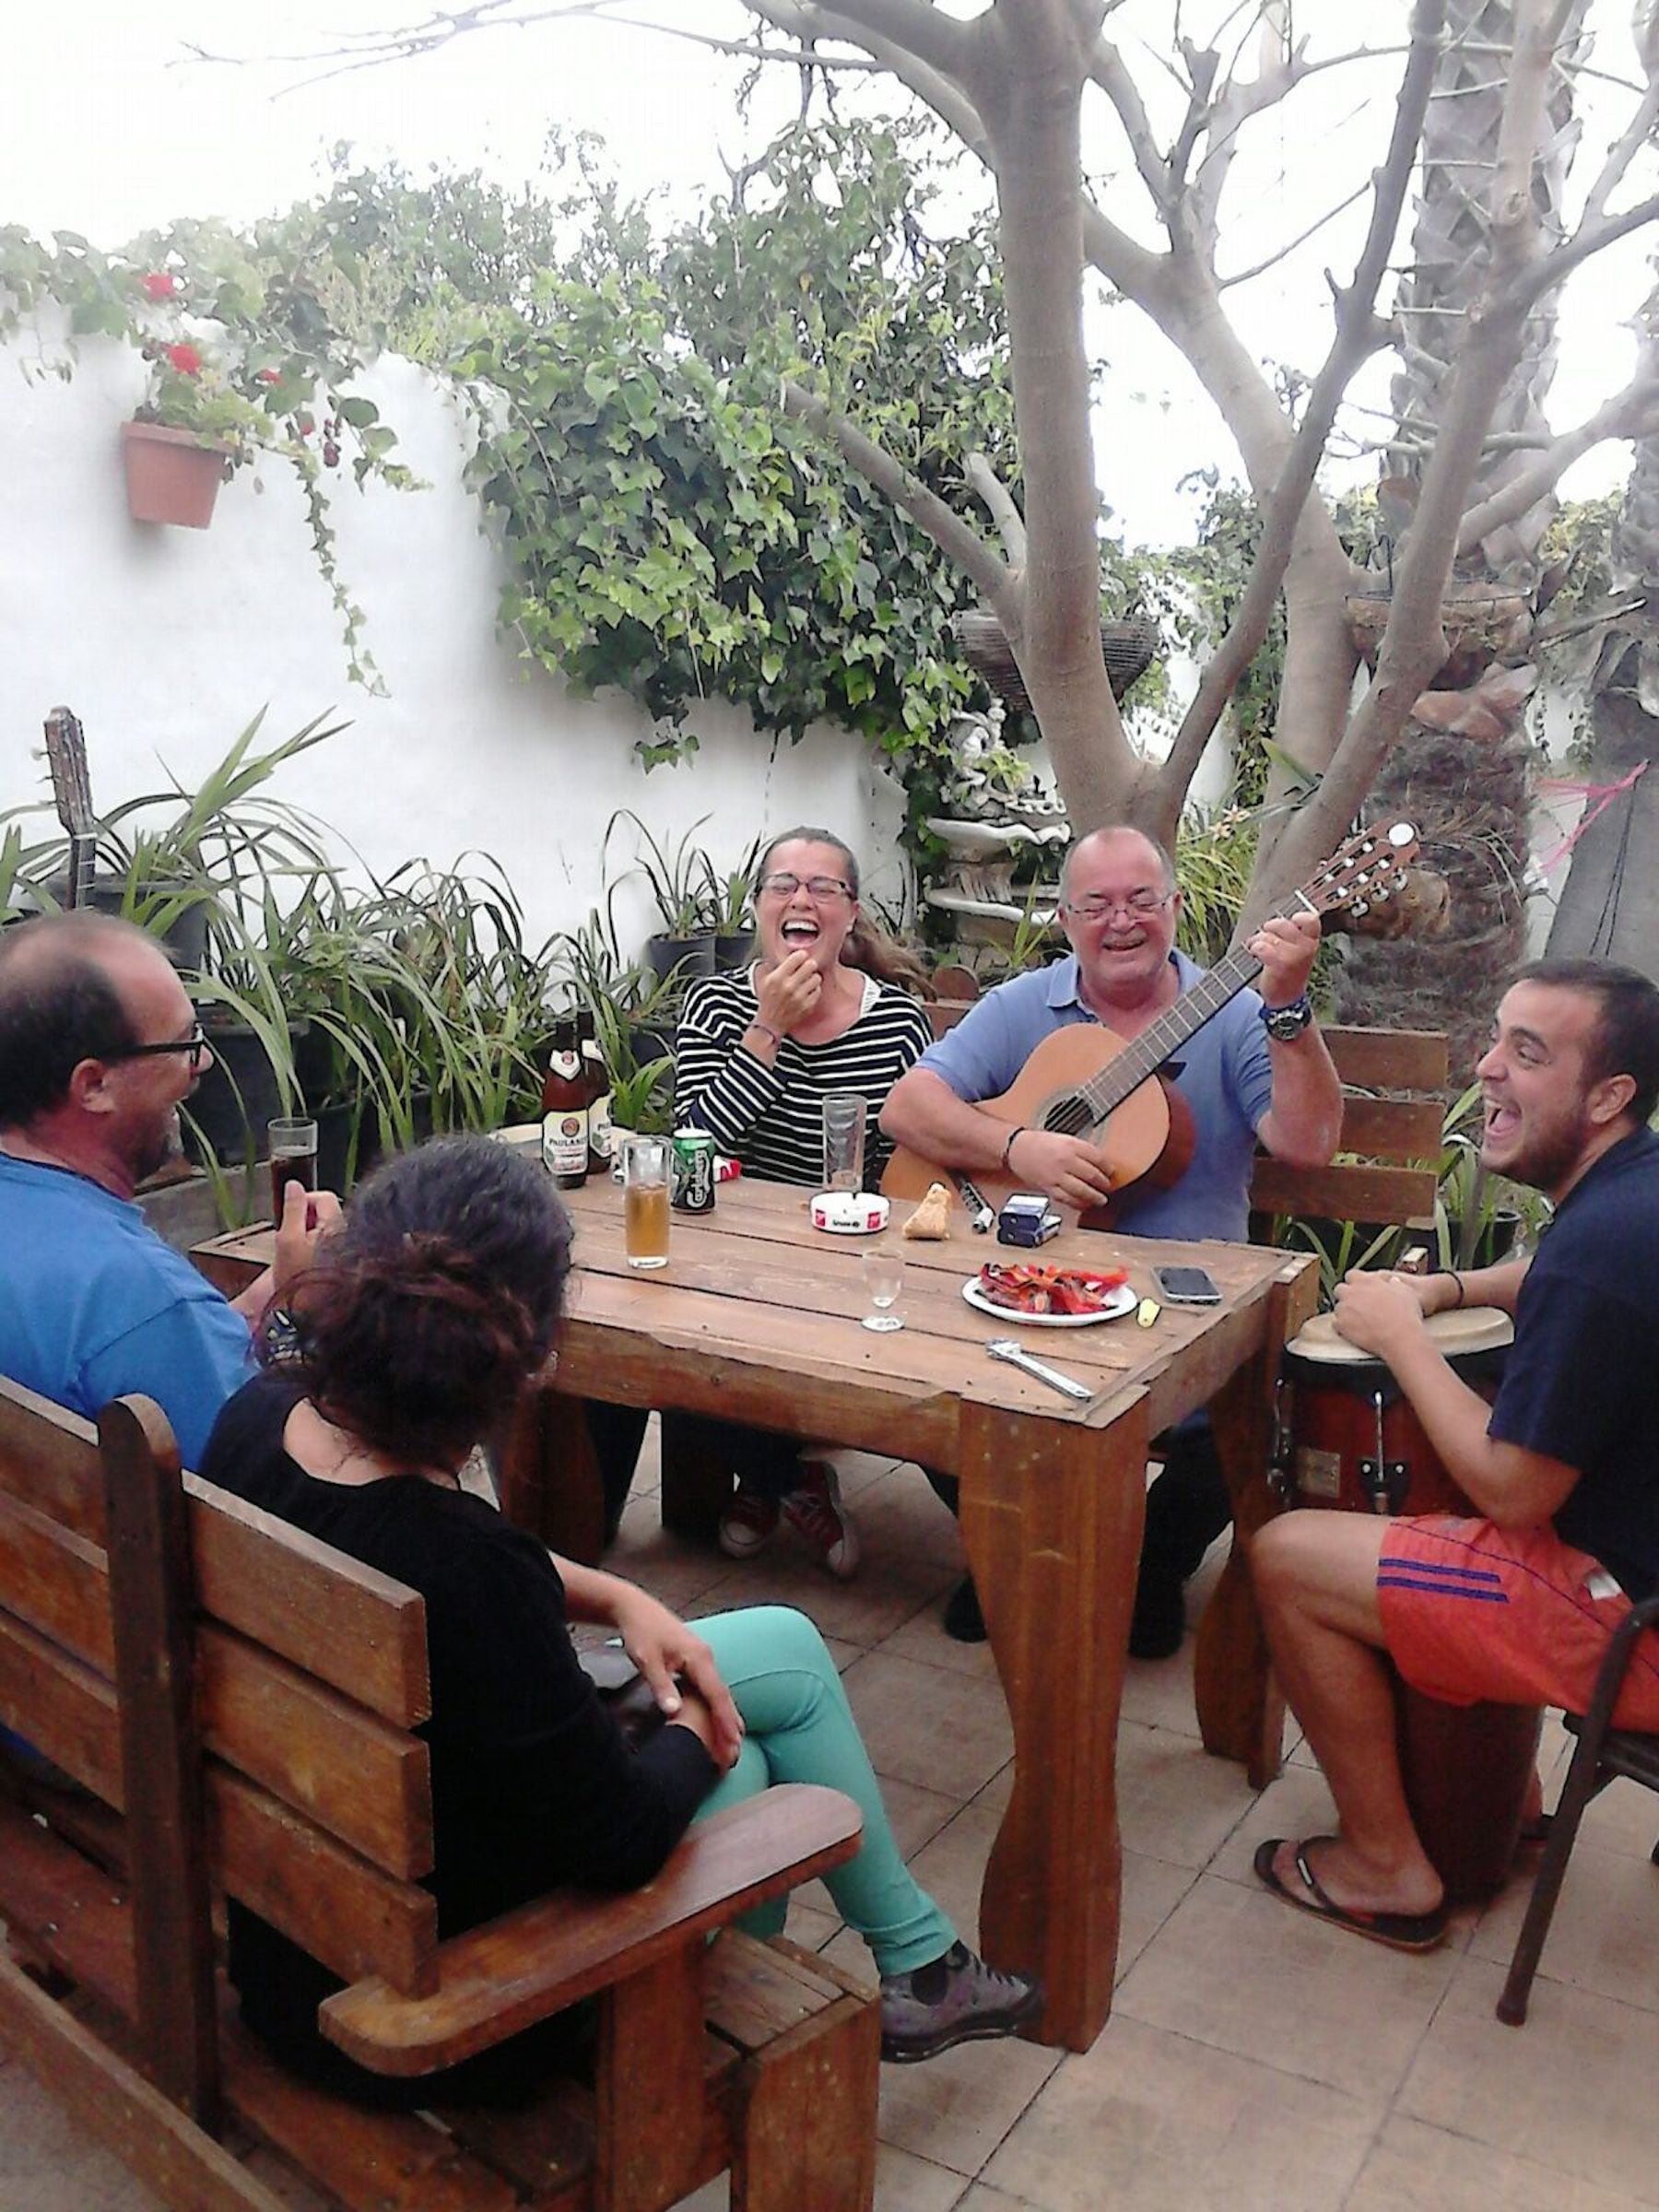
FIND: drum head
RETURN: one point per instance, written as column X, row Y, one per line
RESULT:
column 1463, row 1329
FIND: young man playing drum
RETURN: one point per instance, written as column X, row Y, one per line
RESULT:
column 1518, row 1605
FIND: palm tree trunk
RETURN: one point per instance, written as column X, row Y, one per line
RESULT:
column 1461, row 771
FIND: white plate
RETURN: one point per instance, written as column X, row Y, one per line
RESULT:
column 1118, row 1303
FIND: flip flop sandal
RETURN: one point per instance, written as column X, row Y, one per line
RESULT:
column 1399, row 1931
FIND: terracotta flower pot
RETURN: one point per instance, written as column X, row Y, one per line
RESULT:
column 172, row 475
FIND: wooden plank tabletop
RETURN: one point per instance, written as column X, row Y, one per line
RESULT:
column 754, row 1293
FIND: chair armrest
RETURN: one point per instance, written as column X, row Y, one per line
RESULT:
column 497, row 1980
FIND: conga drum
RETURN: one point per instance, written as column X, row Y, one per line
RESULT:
column 1357, row 1446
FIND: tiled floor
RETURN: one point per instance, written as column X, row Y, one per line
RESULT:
column 1254, row 2059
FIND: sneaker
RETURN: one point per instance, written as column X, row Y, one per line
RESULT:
column 814, row 1510
column 748, row 1524
column 963, row 1620
column 1158, row 1621
column 955, row 1999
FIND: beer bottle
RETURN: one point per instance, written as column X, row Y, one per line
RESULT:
column 565, row 1109
column 601, row 1140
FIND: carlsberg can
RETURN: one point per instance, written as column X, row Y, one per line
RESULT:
column 694, row 1171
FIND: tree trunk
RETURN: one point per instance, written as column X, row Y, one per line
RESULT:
column 1460, row 771
column 1027, row 78
column 1610, row 900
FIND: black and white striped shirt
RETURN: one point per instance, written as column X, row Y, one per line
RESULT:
column 772, row 1118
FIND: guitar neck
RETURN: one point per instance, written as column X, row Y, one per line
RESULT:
column 83, row 851
column 1144, row 1055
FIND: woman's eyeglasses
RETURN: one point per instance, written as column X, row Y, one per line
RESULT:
column 816, row 887
column 195, row 1044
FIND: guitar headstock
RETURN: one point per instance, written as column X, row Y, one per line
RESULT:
column 66, row 758
column 1363, row 873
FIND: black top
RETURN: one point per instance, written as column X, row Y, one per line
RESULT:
column 1582, row 1384
column 532, row 1783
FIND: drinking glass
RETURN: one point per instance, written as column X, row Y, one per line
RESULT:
column 293, row 1146
column 883, row 1279
column 645, row 1201
column 844, row 1113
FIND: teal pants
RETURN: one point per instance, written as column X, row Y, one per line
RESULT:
column 801, row 1729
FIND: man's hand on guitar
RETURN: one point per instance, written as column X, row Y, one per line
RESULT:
column 1285, row 946
column 1070, row 1170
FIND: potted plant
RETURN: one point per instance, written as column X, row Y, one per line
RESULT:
column 684, row 943
column 245, row 362
column 728, row 901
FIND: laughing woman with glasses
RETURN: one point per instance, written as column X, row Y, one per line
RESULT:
column 827, row 1007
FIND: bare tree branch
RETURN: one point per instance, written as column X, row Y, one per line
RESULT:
column 943, row 94
column 1414, row 643
column 1620, row 156
column 1632, row 413
column 1589, row 239
column 999, row 502
column 1106, row 70
column 1244, row 275
column 955, row 539
column 1357, row 333
column 910, row 26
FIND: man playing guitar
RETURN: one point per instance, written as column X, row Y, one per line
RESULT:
column 1257, row 1070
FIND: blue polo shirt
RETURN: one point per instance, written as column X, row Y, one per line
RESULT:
column 93, row 1305
column 1581, row 1383
column 1225, row 1077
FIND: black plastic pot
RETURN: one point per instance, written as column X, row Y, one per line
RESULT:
column 734, row 949
column 236, row 1097
column 1495, row 1241
column 693, row 954
column 184, row 939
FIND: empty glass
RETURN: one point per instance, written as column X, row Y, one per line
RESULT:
column 844, row 1113
column 883, row 1268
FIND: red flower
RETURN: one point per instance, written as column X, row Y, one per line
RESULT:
column 184, row 359
column 158, row 285
column 268, row 376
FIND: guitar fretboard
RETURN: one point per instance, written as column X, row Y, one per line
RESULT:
column 1145, row 1054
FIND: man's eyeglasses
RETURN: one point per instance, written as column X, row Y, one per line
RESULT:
column 817, row 887
column 1137, row 906
column 195, row 1044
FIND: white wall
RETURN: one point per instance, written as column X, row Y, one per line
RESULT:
column 165, row 642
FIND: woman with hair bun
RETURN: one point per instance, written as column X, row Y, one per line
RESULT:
column 428, row 1311
column 829, row 1005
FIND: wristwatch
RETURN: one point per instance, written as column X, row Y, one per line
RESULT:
column 1285, row 1024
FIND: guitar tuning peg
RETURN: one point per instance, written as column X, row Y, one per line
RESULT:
column 1360, row 909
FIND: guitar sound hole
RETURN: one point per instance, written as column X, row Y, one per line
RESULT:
column 1068, row 1117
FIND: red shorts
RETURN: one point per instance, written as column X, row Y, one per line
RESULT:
column 1472, row 1611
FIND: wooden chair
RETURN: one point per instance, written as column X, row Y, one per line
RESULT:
column 237, row 1704
column 1602, row 1754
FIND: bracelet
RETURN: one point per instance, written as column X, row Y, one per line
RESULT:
column 766, row 1030
column 1018, row 1130
column 1458, row 1301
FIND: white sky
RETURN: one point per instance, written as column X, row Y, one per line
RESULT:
column 106, row 128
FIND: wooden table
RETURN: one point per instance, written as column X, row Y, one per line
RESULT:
column 755, row 1319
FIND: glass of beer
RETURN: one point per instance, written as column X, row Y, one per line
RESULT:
column 645, row 1201
column 293, row 1146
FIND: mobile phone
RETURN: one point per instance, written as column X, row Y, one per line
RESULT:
column 1187, row 1286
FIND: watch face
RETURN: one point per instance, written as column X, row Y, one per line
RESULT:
column 1286, row 1023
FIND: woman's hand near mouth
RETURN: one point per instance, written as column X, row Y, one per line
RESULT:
column 789, row 991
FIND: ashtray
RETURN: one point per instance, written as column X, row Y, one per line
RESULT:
column 849, row 1213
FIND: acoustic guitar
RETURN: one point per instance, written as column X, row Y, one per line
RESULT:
column 1085, row 1080
column 71, row 796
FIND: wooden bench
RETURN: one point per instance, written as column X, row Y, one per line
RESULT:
column 239, row 1704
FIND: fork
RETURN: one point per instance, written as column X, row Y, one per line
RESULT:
column 1005, row 1347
